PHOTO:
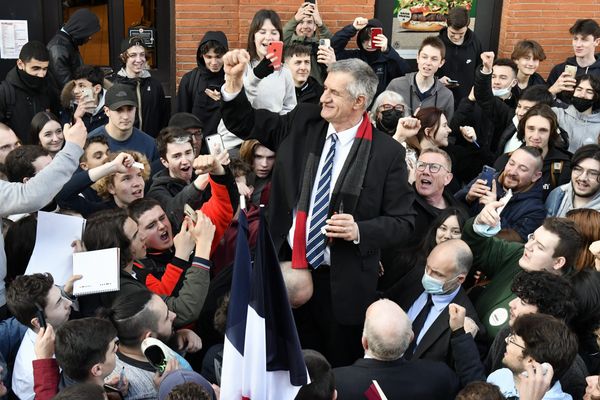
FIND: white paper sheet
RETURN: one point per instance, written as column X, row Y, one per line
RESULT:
column 53, row 252
column 13, row 36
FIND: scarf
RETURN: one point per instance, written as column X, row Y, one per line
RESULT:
column 346, row 190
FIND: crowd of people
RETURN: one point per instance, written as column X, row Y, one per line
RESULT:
column 438, row 230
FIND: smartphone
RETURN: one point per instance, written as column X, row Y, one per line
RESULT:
column 487, row 174
column 374, row 32
column 189, row 211
column 325, row 42
column 215, row 144
column 571, row 70
column 40, row 315
column 111, row 389
column 276, row 48
column 452, row 84
column 87, row 94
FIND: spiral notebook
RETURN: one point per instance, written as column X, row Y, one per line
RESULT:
column 100, row 270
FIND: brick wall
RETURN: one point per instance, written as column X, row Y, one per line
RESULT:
column 548, row 22
column 194, row 17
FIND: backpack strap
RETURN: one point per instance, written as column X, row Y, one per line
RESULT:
column 556, row 170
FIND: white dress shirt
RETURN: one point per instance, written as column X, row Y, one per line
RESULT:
column 22, row 378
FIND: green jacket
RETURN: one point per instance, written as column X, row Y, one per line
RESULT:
column 499, row 261
column 289, row 37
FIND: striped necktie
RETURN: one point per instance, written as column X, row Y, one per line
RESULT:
column 315, row 245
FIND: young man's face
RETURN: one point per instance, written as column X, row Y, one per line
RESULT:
column 522, row 107
column 136, row 60
column 96, row 154
column 520, row 171
column 165, row 318
column 306, row 27
column 110, row 359
column 8, row 142
column 58, row 308
column 178, row 160
column 503, row 77
column 584, row 45
column 527, row 65
column 457, row 36
column 537, row 131
column 122, row 118
column 538, row 254
column 584, row 177
column 429, row 60
column 80, row 85
column 155, row 226
column 34, row 67
column 513, row 357
column 299, row 66
column 137, row 238
column 213, row 61
column 263, row 161
column 584, row 90
column 519, row 307
column 127, row 187
column 39, row 164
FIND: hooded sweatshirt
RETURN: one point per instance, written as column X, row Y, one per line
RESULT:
column 191, row 97
column 560, row 201
column 583, row 128
column 439, row 95
column 386, row 65
column 558, row 69
column 64, row 46
column 461, row 62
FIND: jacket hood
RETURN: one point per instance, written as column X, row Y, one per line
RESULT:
column 466, row 42
column 372, row 23
column 593, row 117
column 82, row 24
column 123, row 73
column 217, row 36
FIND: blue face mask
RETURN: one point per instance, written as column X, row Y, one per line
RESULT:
column 501, row 92
column 432, row 285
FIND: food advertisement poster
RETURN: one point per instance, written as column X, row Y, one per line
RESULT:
column 416, row 19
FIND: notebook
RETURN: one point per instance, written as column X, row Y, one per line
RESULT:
column 100, row 270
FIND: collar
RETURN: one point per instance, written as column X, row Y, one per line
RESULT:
column 441, row 301
column 344, row 137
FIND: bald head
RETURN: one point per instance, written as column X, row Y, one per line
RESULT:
column 456, row 252
column 8, row 141
column 387, row 332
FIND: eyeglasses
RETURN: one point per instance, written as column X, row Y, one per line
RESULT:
column 511, row 339
column 591, row 174
column 387, row 107
column 434, row 168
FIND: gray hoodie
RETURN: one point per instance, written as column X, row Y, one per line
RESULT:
column 560, row 201
column 35, row 194
column 441, row 97
column 582, row 128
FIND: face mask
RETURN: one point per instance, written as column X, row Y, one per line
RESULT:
column 31, row 81
column 434, row 286
column 389, row 121
column 501, row 92
column 581, row 104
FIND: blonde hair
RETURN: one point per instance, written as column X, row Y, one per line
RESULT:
column 103, row 184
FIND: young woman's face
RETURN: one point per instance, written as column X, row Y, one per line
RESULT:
column 51, row 137
column 265, row 35
column 449, row 229
column 440, row 138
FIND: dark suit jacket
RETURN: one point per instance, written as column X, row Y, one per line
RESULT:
column 383, row 213
column 399, row 380
column 435, row 344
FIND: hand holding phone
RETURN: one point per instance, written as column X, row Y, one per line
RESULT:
column 276, row 49
column 374, row 32
column 487, row 174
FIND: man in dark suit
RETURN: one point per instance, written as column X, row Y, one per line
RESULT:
column 426, row 294
column 386, row 336
column 367, row 200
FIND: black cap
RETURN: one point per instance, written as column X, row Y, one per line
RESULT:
column 185, row 120
column 119, row 95
column 132, row 41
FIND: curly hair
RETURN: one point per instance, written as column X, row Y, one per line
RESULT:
column 103, row 184
column 27, row 292
column 551, row 294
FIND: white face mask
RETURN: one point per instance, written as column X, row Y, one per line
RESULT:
column 501, row 92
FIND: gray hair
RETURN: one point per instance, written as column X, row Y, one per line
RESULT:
column 389, row 332
column 365, row 81
column 437, row 150
column 392, row 97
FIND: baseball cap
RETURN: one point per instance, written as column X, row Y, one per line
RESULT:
column 120, row 95
column 132, row 41
column 185, row 120
column 180, row 376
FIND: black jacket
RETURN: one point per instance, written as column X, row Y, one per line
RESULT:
column 154, row 108
column 64, row 46
column 386, row 65
column 535, row 79
column 461, row 62
column 191, row 97
column 310, row 92
column 19, row 102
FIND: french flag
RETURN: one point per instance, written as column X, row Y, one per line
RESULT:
column 262, row 358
